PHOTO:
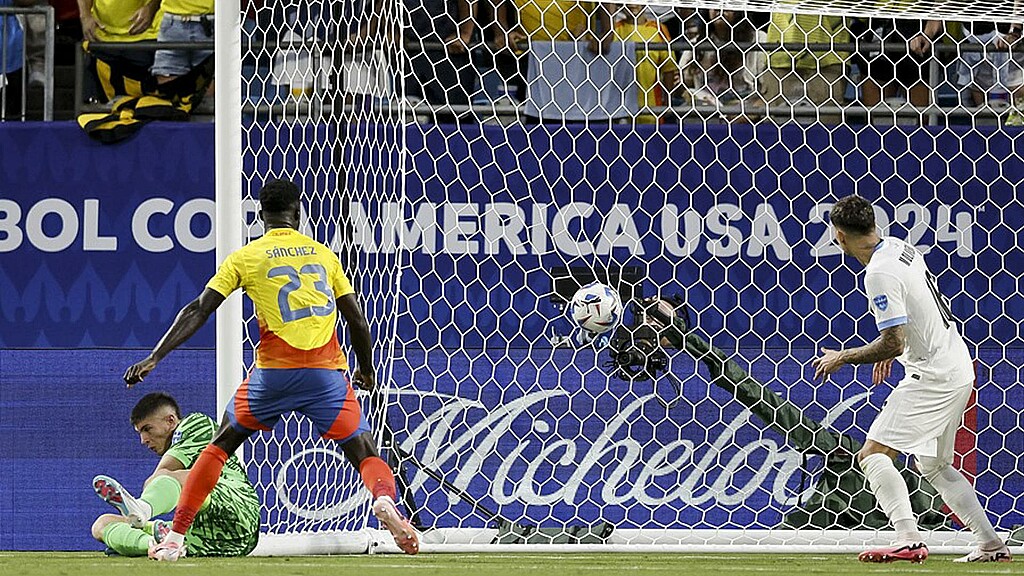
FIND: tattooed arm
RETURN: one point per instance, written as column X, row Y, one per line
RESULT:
column 887, row 346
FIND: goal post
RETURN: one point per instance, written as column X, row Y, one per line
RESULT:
column 454, row 198
column 228, row 190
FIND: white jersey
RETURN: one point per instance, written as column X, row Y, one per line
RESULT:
column 901, row 290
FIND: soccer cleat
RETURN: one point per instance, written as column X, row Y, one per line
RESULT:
column 114, row 494
column 979, row 555
column 161, row 528
column 405, row 535
column 166, row 551
column 915, row 552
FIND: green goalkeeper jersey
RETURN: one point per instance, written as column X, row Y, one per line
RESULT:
column 229, row 521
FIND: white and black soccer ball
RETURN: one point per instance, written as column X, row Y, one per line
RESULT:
column 596, row 308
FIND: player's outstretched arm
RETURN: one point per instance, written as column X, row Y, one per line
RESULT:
column 362, row 343
column 189, row 320
column 887, row 346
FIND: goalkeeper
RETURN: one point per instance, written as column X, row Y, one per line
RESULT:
column 228, row 522
column 840, row 499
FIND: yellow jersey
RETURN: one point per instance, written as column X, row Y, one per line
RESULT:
column 650, row 64
column 116, row 18
column 559, row 20
column 807, row 29
column 293, row 282
column 188, row 7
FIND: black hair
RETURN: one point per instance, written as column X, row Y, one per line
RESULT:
column 279, row 196
column 152, row 402
column 853, row 214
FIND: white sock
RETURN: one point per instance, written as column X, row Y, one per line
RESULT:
column 959, row 495
column 175, row 537
column 147, row 509
column 906, row 530
column 891, row 492
column 138, row 506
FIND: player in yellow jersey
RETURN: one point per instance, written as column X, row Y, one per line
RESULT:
column 297, row 287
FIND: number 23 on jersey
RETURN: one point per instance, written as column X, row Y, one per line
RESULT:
column 297, row 280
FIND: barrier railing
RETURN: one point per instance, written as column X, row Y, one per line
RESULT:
column 48, row 80
column 854, row 110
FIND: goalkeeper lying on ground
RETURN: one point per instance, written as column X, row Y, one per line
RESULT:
column 227, row 524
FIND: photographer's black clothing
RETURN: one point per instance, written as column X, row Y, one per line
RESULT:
column 841, row 498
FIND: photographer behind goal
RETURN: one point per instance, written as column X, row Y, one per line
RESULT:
column 637, row 353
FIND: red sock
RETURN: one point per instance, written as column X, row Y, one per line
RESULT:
column 201, row 480
column 378, row 477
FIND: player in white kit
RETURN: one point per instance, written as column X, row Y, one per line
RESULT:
column 921, row 416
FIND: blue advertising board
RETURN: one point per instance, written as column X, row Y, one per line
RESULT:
column 101, row 246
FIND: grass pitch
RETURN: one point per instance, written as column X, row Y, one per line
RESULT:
column 94, row 563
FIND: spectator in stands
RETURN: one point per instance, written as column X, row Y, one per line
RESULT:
column 703, row 76
column 183, row 21
column 903, row 65
column 123, row 21
column 498, row 62
column 35, row 43
column 800, row 76
column 362, row 71
column 178, row 78
column 732, row 71
column 726, row 72
column 437, row 42
column 753, row 27
column 120, row 20
column 727, row 75
column 560, row 21
column 667, row 16
column 508, row 48
column 995, row 70
column 657, row 72
column 551, row 20
column 68, row 34
column 693, row 62
column 11, row 67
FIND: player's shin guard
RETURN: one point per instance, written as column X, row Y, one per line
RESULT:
column 201, row 480
column 378, row 477
column 125, row 540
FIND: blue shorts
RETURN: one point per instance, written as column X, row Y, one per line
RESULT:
column 324, row 396
column 179, row 62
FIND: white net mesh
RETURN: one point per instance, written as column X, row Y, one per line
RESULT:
column 695, row 157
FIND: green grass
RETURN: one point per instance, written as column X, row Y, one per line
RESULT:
column 88, row 563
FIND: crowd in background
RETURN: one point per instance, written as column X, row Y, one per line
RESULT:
column 458, row 53
column 114, row 70
column 715, row 58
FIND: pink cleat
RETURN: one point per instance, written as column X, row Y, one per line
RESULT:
column 979, row 555
column 166, row 551
column 405, row 535
column 915, row 552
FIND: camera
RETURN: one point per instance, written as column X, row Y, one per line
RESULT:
column 635, row 354
column 635, row 351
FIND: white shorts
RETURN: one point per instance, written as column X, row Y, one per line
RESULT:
column 921, row 417
column 986, row 71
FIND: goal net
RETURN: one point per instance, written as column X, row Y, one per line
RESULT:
column 472, row 162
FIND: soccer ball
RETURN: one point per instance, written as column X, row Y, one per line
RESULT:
column 596, row 308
